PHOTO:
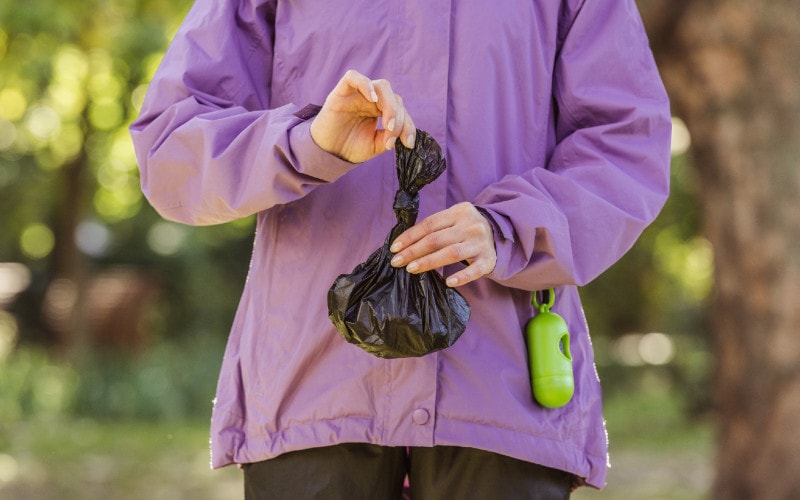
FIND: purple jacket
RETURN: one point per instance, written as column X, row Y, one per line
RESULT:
column 553, row 119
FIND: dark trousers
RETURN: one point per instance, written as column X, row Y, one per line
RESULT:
column 356, row 471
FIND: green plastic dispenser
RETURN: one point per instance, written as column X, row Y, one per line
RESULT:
column 549, row 359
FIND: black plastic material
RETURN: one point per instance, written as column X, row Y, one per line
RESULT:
column 388, row 311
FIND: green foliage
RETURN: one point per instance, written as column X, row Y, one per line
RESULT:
column 664, row 284
column 72, row 78
column 172, row 381
column 169, row 382
column 32, row 384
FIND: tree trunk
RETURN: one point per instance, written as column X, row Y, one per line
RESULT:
column 63, row 302
column 732, row 68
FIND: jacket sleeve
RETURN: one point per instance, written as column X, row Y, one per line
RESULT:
column 608, row 175
column 208, row 145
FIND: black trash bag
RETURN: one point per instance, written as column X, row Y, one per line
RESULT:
column 388, row 311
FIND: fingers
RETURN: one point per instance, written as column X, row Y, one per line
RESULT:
column 408, row 134
column 355, row 81
column 457, row 234
column 397, row 123
column 348, row 123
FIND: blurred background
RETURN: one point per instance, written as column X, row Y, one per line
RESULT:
column 113, row 321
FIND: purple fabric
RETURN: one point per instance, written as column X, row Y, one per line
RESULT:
column 554, row 121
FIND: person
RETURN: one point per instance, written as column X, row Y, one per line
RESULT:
column 556, row 128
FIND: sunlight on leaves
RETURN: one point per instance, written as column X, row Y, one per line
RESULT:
column 122, row 152
column 105, row 86
column 37, row 241
column 67, row 144
column 8, row 134
column 12, row 104
column 3, row 43
column 137, row 97
column 118, row 202
column 105, row 115
column 70, row 64
column 67, row 99
column 689, row 262
column 43, row 122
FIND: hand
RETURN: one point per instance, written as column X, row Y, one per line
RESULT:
column 459, row 233
column 347, row 124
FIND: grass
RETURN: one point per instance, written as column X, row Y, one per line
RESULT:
column 86, row 459
column 655, row 453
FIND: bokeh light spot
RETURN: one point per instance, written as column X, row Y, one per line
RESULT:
column 12, row 104
column 37, row 241
column 681, row 139
column 166, row 238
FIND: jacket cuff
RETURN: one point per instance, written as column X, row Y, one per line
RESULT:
column 310, row 159
column 503, row 241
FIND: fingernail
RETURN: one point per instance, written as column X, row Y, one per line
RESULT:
column 390, row 125
column 390, row 142
column 373, row 95
column 410, row 140
column 451, row 281
column 412, row 267
column 397, row 261
column 396, row 246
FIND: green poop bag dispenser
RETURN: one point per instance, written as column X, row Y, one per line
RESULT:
column 549, row 358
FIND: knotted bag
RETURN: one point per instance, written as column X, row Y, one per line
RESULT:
column 388, row 311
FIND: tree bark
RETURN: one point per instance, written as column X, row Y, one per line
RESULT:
column 732, row 69
column 62, row 308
